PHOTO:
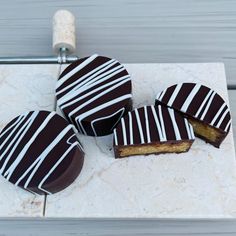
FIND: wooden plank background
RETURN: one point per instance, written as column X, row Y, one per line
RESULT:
column 129, row 30
column 118, row 227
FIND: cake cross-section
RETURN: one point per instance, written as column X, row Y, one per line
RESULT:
column 205, row 109
column 94, row 93
column 152, row 130
column 39, row 152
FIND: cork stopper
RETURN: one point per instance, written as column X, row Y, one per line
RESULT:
column 64, row 32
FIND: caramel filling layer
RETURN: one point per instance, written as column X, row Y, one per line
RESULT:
column 205, row 131
column 145, row 149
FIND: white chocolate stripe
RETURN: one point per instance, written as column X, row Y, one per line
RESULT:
column 222, row 118
column 21, row 155
column 36, row 164
column 55, row 166
column 218, row 113
column 76, row 69
column 124, row 131
column 94, row 91
column 175, row 126
column 122, row 110
column 162, row 95
column 73, row 93
column 144, row 128
column 162, row 122
column 147, row 124
column 15, row 136
column 12, row 142
column 174, row 95
column 86, row 84
column 18, row 120
column 190, row 97
column 91, row 74
column 208, row 105
column 97, row 96
column 203, row 103
column 130, row 129
column 139, row 126
column 188, row 128
column 159, row 95
column 73, row 123
column 191, row 130
column 159, row 130
column 21, row 132
column 79, row 118
column 68, row 140
column 74, row 129
column 74, row 135
column 108, row 74
column 227, row 126
column 115, row 137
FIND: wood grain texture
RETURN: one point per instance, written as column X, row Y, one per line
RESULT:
column 118, row 227
column 129, row 30
column 232, row 100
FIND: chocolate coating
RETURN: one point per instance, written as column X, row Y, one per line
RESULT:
column 200, row 103
column 150, row 124
column 94, row 93
column 40, row 152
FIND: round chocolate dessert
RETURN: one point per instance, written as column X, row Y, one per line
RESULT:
column 39, row 152
column 205, row 109
column 152, row 130
column 94, row 93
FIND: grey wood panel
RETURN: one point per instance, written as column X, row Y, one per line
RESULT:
column 232, row 100
column 118, row 227
column 130, row 30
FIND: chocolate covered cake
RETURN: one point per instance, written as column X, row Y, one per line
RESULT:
column 94, row 93
column 152, row 130
column 40, row 152
column 205, row 109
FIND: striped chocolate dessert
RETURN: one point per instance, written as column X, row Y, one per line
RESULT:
column 205, row 109
column 94, row 93
column 39, row 152
column 152, row 130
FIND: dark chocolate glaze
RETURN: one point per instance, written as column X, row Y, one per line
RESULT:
column 40, row 152
column 94, row 93
column 203, row 104
column 150, row 124
column 200, row 103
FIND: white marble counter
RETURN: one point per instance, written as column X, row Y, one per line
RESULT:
column 23, row 88
column 197, row 184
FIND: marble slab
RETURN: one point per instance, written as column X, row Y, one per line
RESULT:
column 197, row 184
column 23, row 88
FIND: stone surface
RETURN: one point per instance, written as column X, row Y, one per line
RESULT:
column 24, row 88
column 197, row 184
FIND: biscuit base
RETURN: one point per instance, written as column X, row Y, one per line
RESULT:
column 153, row 148
column 208, row 133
